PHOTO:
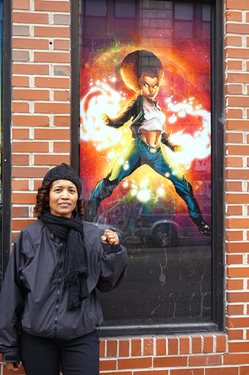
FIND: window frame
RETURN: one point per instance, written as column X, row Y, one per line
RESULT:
column 217, row 116
column 6, row 136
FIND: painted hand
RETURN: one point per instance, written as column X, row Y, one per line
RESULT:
column 177, row 148
column 105, row 118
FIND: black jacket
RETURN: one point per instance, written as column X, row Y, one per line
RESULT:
column 33, row 295
column 135, row 112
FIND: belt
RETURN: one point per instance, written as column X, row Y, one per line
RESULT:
column 151, row 149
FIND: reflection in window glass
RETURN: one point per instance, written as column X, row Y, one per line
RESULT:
column 95, row 8
column 142, row 185
column 206, row 13
column 184, row 11
column 125, row 8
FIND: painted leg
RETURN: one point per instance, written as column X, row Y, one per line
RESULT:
column 123, row 167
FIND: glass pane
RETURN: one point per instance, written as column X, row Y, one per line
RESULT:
column 125, row 8
column 95, row 8
column 145, row 155
column 184, row 11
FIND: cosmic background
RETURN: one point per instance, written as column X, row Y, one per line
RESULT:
column 179, row 34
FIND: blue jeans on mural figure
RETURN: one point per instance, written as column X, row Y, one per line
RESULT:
column 137, row 154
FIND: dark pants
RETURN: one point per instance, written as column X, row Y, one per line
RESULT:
column 42, row 356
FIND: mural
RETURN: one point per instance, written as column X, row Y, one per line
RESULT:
column 145, row 126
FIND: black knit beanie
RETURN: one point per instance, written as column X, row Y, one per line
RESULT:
column 63, row 172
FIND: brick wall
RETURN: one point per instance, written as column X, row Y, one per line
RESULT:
column 41, row 138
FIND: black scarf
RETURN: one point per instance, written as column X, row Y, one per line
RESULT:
column 71, row 232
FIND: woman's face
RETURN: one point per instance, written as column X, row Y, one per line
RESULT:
column 149, row 87
column 63, row 196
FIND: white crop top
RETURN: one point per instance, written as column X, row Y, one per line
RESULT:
column 153, row 118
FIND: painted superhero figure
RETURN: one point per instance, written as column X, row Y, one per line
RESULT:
column 142, row 71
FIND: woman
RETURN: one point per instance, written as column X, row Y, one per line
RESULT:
column 142, row 71
column 49, row 311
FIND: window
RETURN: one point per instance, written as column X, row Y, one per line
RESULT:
column 134, row 179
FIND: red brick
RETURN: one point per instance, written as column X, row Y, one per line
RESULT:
column 161, row 346
column 32, row 18
column 52, row 6
column 234, row 89
column 102, row 346
column 237, row 4
column 30, row 69
column 18, row 225
column 222, row 371
column 128, row 363
column 234, row 185
column 107, row 364
column 237, row 322
column 52, row 31
column 124, row 346
column 63, row 83
column 176, row 361
column 148, row 344
column 23, row 197
column 236, row 358
column 18, row 159
column 19, row 81
column 196, row 345
column 241, row 247
column 20, row 133
column 20, row 184
column 233, row 310
column 205, row 360
column 234, row 210
column 193, row 371
column 238, row 347
column 208, row 344
column 62, row 45
column 136, row 347
column 20, row 107
column 30, row 146
column 52, row 134
column 28, row 172
column 112, row 344
column 32, row 94
column 19, row 212
column 149, row 372
column 234, row 65
column 235, row 284
column 235, row 334
column 244, row 370
column 173, row 346
column 184, row 345
column 62, row 120
column 236, row 124
column 30, row 120
column 233, row 113
column 57, row 108
column 52, row 57
column 234, row 16
column 63, row 96
column 234, row 259
column 31, row 44
column 233, row 40
column 51, row 159
column 17, row 4
column 62, row 147
column 235, row 235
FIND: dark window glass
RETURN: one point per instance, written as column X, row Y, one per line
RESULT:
column 95, row 8
column 125, row 8
column 184, row 11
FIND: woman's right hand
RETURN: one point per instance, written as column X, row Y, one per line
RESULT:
column 13, row 366
column 105, row 118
